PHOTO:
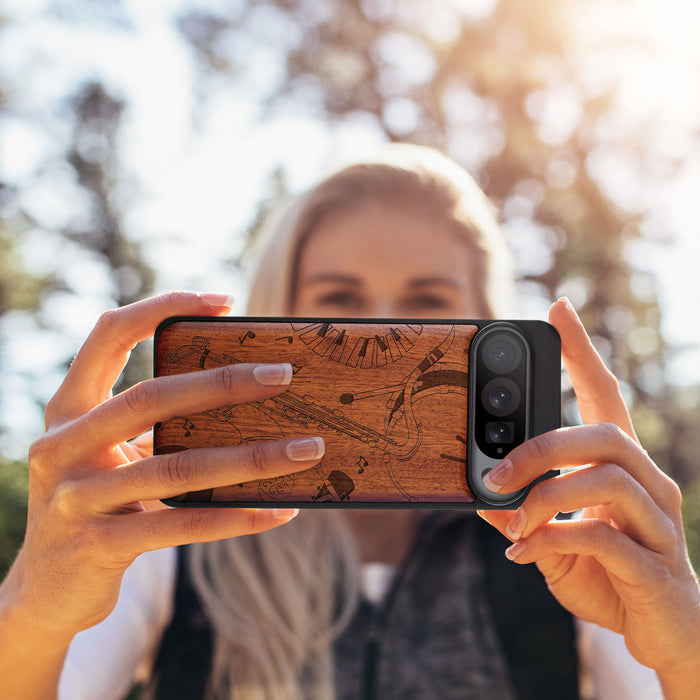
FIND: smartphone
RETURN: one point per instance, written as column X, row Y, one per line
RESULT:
column 414, row 413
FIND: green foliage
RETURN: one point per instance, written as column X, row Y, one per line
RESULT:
column 14, row 484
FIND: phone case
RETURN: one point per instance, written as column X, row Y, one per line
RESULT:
column 389, row 398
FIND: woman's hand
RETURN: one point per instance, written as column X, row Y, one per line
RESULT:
column 88, row 517
column 623, row 564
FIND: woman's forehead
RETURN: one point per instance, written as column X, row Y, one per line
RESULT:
column 382, row 236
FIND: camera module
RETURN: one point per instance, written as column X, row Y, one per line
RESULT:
column 500, row 389
column 514, row 367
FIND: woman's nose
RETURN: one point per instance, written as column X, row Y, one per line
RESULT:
column 384, row 308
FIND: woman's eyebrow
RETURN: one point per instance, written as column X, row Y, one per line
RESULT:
column 333, row 277
column 433, row 281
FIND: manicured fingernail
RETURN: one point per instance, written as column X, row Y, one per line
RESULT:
column 516, row 525
column 569, row 306
column 498, row 476
column 274, row 375
column 303, row 449
column 515, row 550
column 285, row 514
column 218, row 299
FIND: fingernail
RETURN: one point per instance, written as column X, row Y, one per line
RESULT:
column 517, row 524
column 515, row 550
column 218, row 299
column 569, row 306
column 285, row 514
column 273, row 375
column 303, row 449
column 498, row 476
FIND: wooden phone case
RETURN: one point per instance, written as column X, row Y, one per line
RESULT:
column 389, row 399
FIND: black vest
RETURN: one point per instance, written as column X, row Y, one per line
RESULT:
column 534, row 635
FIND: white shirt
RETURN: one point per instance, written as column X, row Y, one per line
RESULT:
column 104, row 661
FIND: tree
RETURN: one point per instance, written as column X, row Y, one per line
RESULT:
column 95, row 233
column 93, row 155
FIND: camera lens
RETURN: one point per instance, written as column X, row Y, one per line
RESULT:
column 500, row 396
column 502, row 353
column 499, row 432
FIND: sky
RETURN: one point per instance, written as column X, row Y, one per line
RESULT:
column 188, row 185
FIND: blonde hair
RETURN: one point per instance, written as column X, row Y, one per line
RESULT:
column 277, row 600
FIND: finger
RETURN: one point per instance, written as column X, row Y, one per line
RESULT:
column 105, row 352
column 596, row 388
column 138, row 448
column 142, row 532
column 606, row 486
column 614, row 550
column 497, row 518
column 140, row 407
column 143, row 444
column 165, row 476
column 579, row 445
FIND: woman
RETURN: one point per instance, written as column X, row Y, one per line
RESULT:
column 410, row 236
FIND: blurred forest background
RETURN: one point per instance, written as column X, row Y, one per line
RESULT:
column 580, row 119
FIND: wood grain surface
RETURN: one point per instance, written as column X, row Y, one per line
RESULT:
column 390, row 401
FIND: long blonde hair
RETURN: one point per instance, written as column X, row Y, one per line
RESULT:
column 277, row 600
